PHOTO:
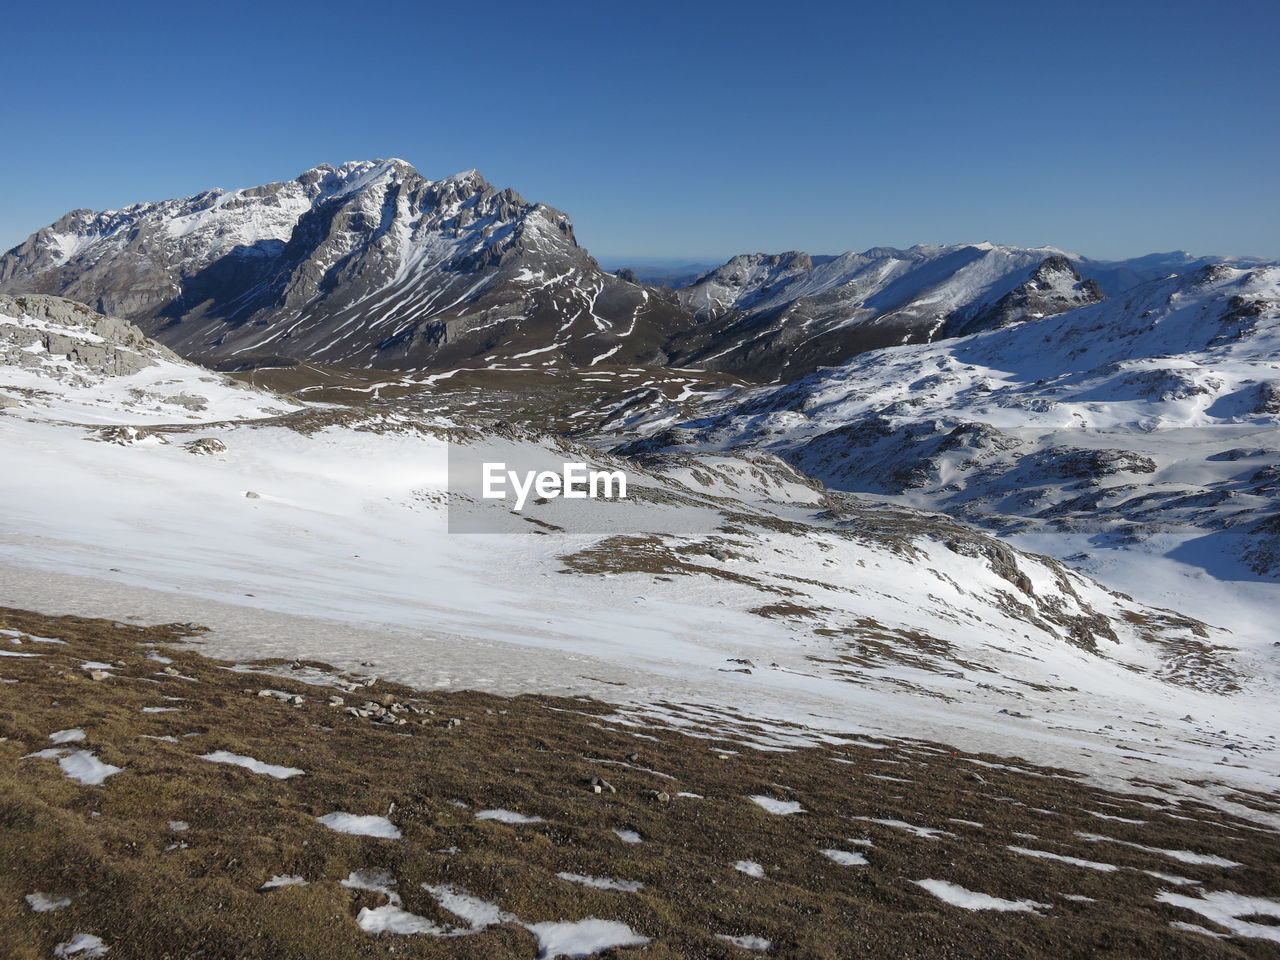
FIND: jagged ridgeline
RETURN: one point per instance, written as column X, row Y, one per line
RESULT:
column 370, row 264
column 366, row 264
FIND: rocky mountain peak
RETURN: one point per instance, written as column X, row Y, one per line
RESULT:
column 363, row 263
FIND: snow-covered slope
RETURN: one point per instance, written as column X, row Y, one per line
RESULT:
column 60, row 360
column 721, row 580
column 365, row 264
column 1148, row 422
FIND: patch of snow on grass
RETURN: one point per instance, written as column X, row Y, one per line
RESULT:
column 256, row 766
column 83, row 946
column 86, row 768
column 67, row 736
column 375, row 881
column 1226, row 909
column 602, row 883
column 1110, row 816
column 1196, row 928
column 845, row 858
column 46, row 902
column 507, row 816
column 781, row 807
column 391, row 917
column 283, row 880
column 750, row 868
column 1074, row 861
column 1184, row 856
column 628, row 836
column 466, row 906
column 1171, row 878
column 966, row 899
column 361, row 825
column 928, row 833
column 746, row 943
column 581, row 938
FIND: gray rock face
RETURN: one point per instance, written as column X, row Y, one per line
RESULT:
column 96, row 345
column 56, row 354
column 367, row 264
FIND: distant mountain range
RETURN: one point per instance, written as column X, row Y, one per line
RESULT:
column 1150, row 415
column 370, row 264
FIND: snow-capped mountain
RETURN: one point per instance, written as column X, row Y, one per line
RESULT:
column 371, row 265
column 1146, row 423
column 780, row 316
column 367, row 264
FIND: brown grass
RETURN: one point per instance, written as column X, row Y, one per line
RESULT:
column 107, row 844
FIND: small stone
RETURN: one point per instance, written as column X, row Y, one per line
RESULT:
column 253, row 496
column 99, row 675
column 171, row 672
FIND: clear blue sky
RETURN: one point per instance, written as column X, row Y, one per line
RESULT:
column 693, row 129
